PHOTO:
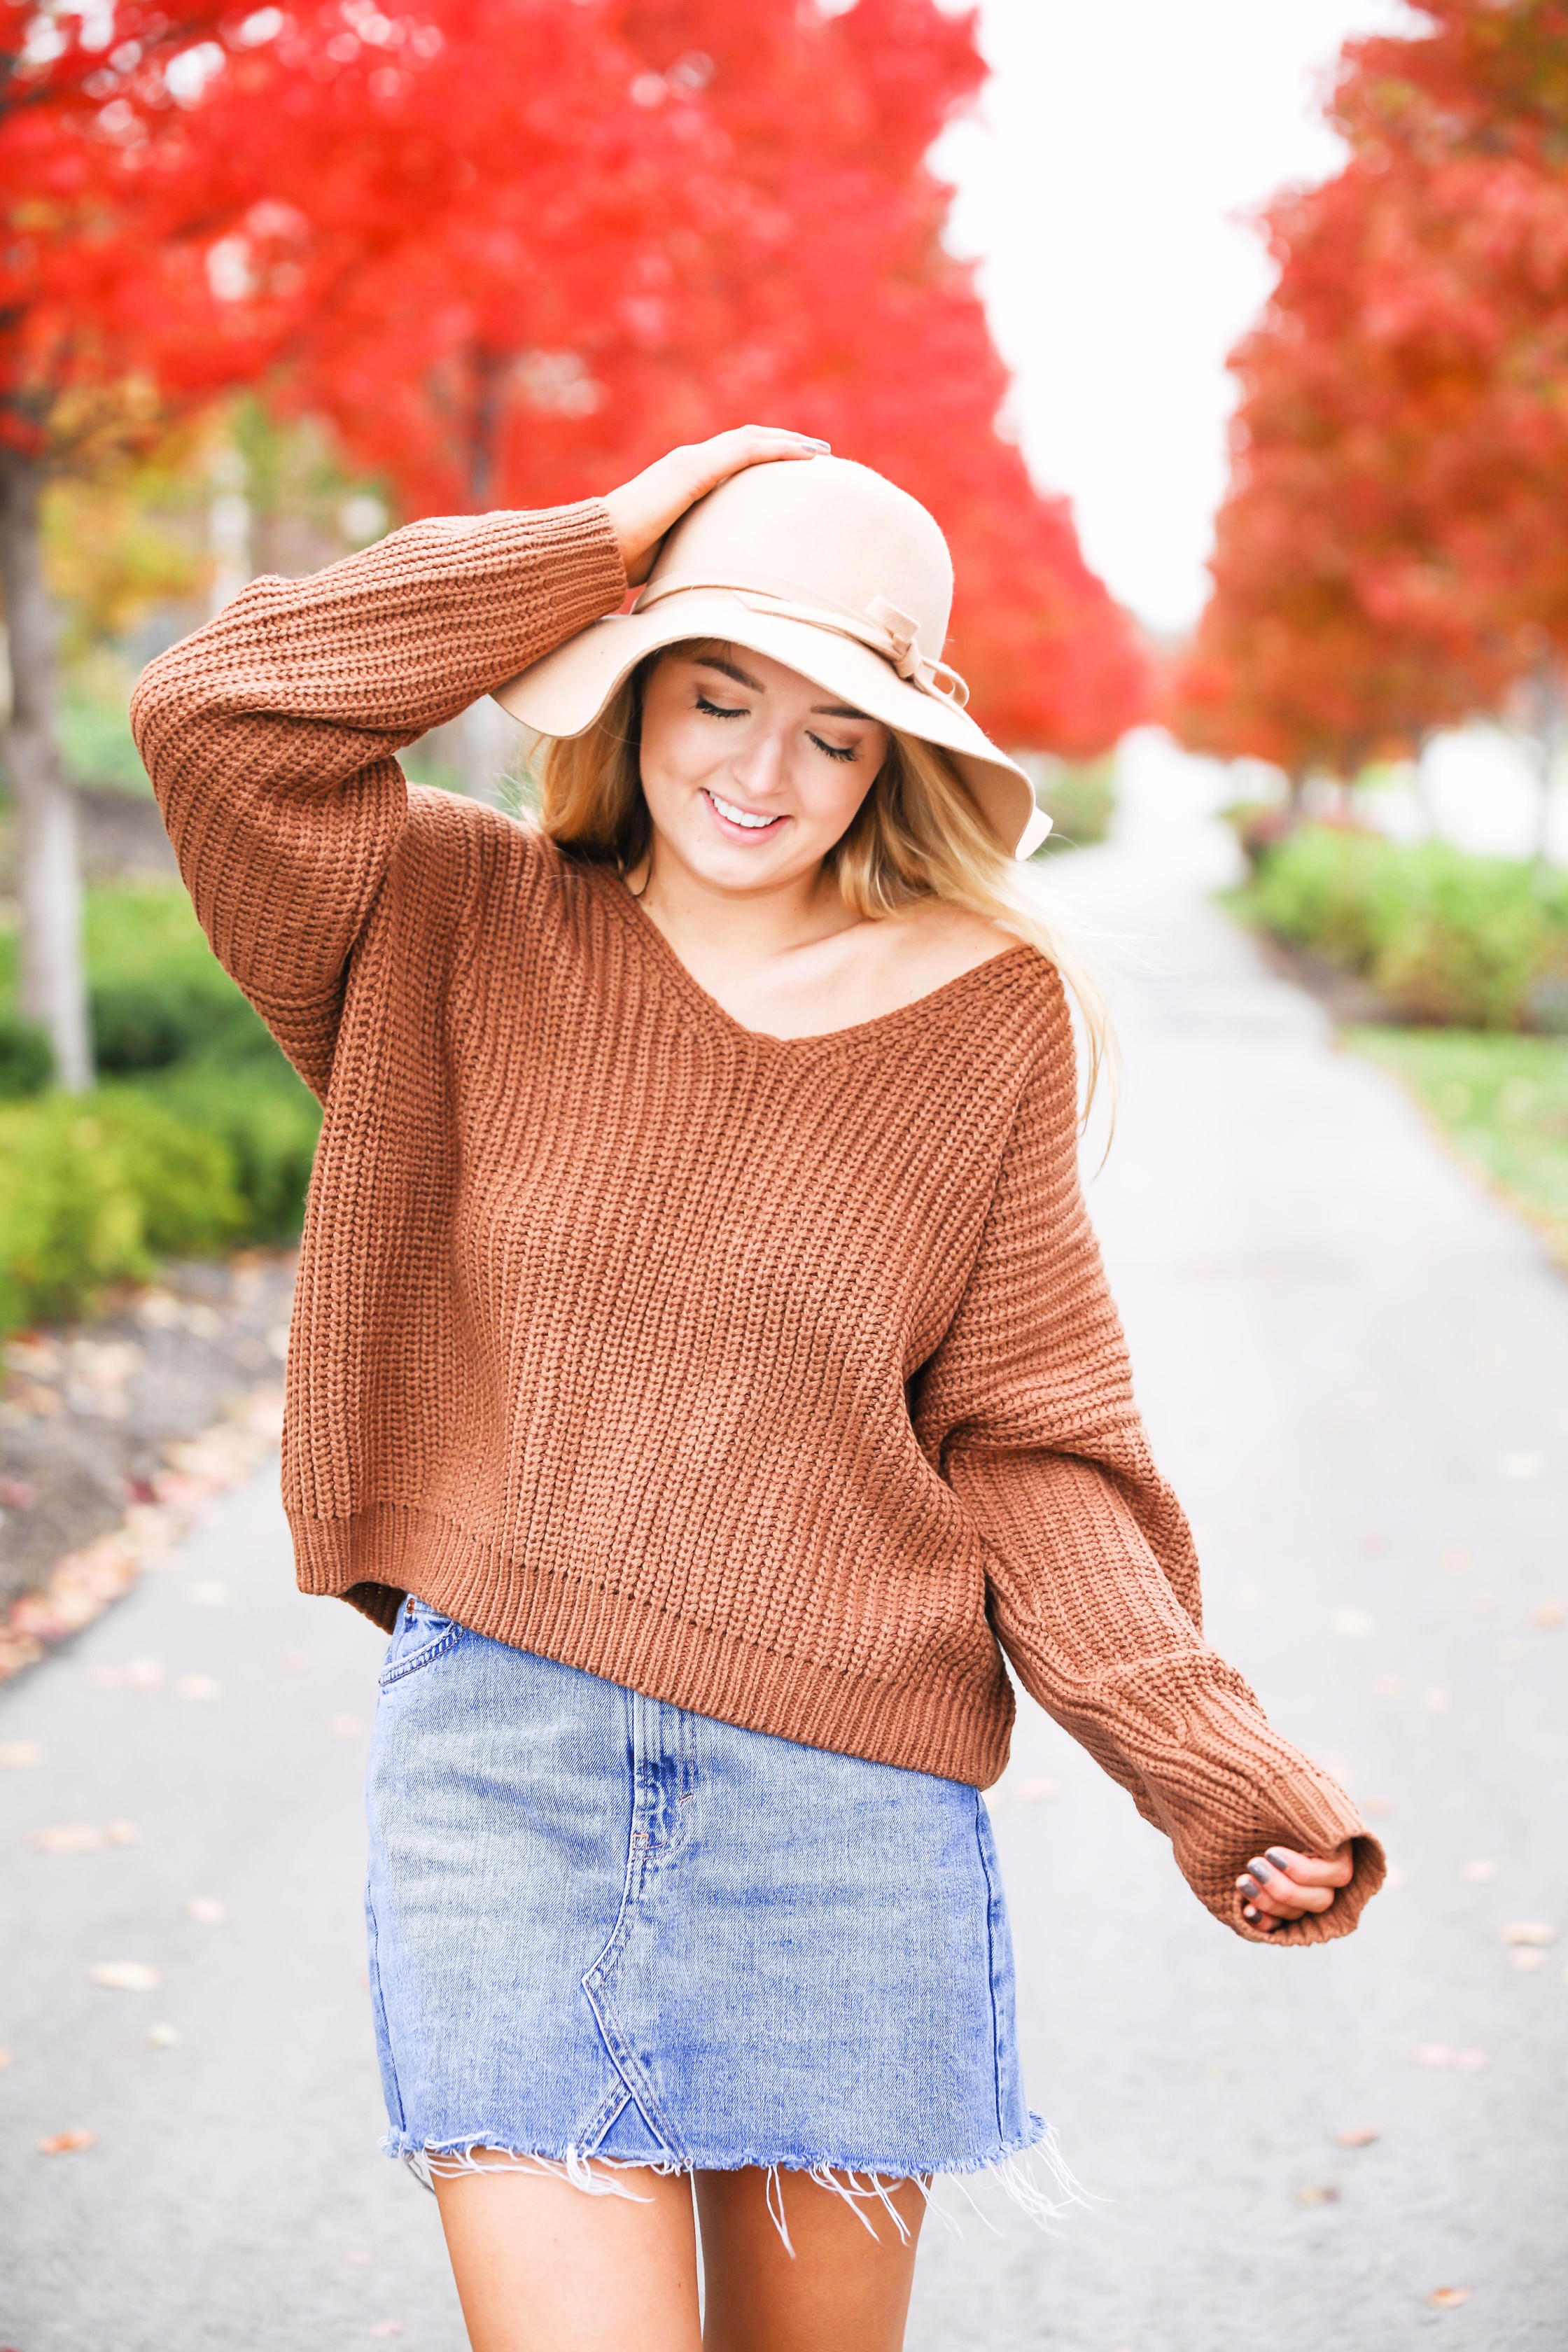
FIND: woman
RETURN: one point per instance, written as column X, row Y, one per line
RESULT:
column 701, row 1363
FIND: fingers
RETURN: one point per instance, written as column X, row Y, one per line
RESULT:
column 1307, row 1869
column 644, row 508
column 747, row 444
column 1284, row 1886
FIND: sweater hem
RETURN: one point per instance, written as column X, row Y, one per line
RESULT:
column 583, row 1620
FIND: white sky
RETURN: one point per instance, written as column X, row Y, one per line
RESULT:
column 1117, row 141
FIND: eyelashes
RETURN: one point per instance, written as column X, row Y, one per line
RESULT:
column 724, row 710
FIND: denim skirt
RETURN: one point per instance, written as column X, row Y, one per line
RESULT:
column 606, row 1931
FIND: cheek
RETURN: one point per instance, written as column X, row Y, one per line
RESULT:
column 836, row 790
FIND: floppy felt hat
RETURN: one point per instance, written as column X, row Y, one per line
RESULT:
column 826, row 567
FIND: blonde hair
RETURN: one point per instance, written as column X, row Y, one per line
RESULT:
column 917, row 835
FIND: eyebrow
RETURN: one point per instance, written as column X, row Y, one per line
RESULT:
column 733, row 669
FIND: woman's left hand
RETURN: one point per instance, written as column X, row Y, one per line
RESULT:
column 1281, row 1885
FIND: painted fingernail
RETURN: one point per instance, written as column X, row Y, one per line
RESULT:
column 1248, row 1912
column 1280, row 1859
column 824, row 446
column 1261, row 1870
column 1249, row 1885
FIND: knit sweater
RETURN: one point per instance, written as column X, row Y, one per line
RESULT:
column 777, row 1378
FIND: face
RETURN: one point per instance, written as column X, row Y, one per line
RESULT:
column 751, row 773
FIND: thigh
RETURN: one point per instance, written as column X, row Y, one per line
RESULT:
column 841, row 2286
column 542, row 2266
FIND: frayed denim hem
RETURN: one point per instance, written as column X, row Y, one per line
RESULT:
column 1033, row 2175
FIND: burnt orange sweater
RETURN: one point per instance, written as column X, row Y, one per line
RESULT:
column 776, row 1379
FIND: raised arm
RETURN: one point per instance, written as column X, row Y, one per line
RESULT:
column 1027, row 1408
column 270, row 734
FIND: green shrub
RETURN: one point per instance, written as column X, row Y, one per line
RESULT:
column 267, row 1121
column 1448, row 939
column 158, row 995
column 26, row 1063
column 95, row 1189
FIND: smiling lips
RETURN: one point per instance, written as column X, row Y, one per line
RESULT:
column 740, row 819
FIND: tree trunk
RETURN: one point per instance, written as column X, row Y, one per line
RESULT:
column 1546, row 725
column 48, row 858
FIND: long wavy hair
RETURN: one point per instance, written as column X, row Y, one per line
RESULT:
column 917, row 835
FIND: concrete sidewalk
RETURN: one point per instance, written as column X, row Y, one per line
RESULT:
column 1355, row 1368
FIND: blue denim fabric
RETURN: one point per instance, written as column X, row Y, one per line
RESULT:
column 603, row 1926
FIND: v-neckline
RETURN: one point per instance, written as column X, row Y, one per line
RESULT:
column 659, row 951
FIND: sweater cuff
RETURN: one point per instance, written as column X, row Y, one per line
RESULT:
column 1310, row 1813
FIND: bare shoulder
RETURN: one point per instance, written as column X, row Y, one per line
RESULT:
column 931, row 944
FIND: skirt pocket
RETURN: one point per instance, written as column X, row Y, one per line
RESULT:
column 422, row 1635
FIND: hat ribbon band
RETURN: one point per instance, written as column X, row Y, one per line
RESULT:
column 883, row 629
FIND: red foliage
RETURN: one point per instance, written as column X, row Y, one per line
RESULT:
column 512, row 249
column 1391, row 555
column 729, row 219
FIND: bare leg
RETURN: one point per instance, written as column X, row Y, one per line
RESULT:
column 541, row 2266
column 844, row 2288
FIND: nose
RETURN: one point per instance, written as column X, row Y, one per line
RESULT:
column 758, row 763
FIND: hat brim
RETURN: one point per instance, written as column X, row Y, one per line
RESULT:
column 565, row 693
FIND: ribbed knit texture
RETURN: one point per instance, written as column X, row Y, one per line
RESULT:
column 777, row 1378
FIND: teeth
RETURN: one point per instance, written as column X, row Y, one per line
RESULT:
column 738, row 816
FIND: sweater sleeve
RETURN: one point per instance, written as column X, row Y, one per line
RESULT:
column 270, row 734
column 1026, row 1406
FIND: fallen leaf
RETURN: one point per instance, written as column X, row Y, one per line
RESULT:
column 1035, row 1792
column 1528, row 1931
column 164, row 2037
column 1439, row 2054
column 1548, row 1614
column 1478, row 1874
column 1436, row 1702
column 137, row 1673
column 197, row 1687
column 207, row 1593
column 67, row 2142
column 18, row 1755
column 345, row 1727
column 207, row 1910
column 1362, row 2136
column 1353, row 1624
column 124, row 1976
column 1318, row 2194
column 1449, row 2298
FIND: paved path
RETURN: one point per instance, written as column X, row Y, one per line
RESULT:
column 1356, row 1368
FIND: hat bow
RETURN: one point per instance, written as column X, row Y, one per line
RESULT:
column 882, row 625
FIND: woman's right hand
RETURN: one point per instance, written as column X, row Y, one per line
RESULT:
column 644, row 508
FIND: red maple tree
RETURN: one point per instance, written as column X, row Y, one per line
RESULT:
column 1390, row 557
column 734, row 219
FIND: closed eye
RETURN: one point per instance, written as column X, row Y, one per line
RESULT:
column 837, row 750
column 718, row 709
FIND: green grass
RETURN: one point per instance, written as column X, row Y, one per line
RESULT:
column 1501, row 1101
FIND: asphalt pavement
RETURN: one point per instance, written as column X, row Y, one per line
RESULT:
column 1354, row 1365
